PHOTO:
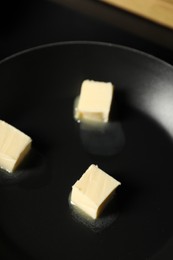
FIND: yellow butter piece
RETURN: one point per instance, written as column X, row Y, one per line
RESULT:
column 14, row 145
column 92, row 191
column 94, row 101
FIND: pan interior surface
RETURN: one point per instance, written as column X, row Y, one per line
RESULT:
column 38, row 90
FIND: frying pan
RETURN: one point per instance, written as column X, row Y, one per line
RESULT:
column 38, row 90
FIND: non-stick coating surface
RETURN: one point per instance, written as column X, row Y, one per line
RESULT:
column 38, row 89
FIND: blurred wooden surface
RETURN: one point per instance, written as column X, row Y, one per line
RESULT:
column 159, row 11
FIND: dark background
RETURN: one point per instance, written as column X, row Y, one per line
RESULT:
column 25, row 24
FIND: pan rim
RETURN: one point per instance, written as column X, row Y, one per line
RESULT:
column 91, row 43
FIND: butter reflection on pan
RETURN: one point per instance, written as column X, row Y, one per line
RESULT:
column 102, row 138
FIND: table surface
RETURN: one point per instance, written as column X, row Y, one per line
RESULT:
column 159, row 11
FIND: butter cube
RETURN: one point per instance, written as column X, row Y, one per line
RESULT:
column 93, row 190
column 94, row 101
column 14, row 145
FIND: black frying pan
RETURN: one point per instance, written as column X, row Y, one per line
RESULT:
column 38, row 89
